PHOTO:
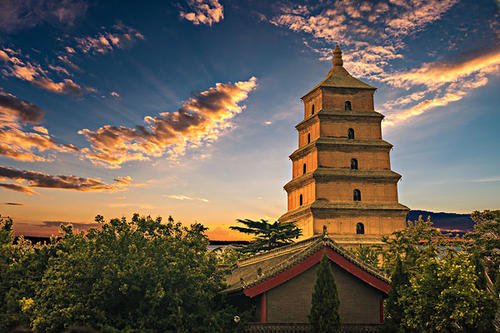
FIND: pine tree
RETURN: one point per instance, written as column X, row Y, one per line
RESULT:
column 399, row 281
column 324, row 316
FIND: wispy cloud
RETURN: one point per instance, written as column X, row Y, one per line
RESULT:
column 27, row 180
column 120, row 37
column 17, row 15
column 14, row 65
column 206, row 12
column 201, row 120
column 371, row 33
column 182, row 197
column 13, row 204
column 18, row 142
column 439, row 83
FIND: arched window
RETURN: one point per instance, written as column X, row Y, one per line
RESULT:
column 312, row 109
column 360, row 228
column 348, row 106
column 350, row 134
column 304, row 169
column 308, row 137
column 354, row 164
column 301, row 200
column 356, row 194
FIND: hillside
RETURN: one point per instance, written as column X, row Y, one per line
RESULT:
column 452, row 222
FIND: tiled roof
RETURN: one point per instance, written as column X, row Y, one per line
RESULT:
column 263, row 266
column 339, row 77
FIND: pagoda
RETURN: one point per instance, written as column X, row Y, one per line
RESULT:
column 341, row 171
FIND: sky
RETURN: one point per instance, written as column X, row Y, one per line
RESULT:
column 188, row 108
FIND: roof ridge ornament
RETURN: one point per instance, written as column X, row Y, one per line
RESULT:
column 325, row 234
column 337, row 57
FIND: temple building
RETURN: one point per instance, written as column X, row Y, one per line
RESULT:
column 341, row 174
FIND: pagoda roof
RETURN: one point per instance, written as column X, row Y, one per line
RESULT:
column 337, row 143
column 339, row 77
column 269, row 269
column 328, row 173
column 324, row 207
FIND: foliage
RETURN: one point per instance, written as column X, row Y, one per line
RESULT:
column 21, row 268
column 443, row 295
column 399, row 282
column 324, row 316
column 369, row 254
column 485, row 240
column 267, row 236
column 129, row 276
column 419, row 238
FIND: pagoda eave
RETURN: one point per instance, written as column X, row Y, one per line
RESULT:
column 339, row 115
column 341, row 144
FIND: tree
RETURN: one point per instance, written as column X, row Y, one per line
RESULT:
column 324, row 316
column 399, row 284
column 485, row 240
column 132, row 276
column 443, row 296
column 267, row 236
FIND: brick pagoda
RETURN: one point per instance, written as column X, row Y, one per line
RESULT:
column 341, row 175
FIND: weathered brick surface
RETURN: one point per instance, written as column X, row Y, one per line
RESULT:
column 291, row 301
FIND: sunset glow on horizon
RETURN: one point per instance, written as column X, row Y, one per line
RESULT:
column 188, row 109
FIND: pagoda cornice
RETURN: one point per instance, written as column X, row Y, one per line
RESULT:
column 325, row 209
column 339, row 115
column 325, row 174
column 342, row 144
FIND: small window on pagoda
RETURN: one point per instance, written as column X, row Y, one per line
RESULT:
column 360, row 228
column 301, row 200
column 350, row 134
column 304, row 169
column 312, row 109
column 348, row 106
column 354, row 164
column 308, row 138
column 356, row 195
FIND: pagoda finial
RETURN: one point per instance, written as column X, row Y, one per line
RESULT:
column 337, row 56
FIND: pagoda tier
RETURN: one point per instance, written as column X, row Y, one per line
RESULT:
column 341, row 172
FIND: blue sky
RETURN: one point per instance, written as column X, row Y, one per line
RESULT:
column 188, row 108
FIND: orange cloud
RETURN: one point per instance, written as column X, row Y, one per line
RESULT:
column 33, row 179
column 442, row 82
column 369, row 33
column 35, row 74
column 107, row 41
column 203, row 12
column 200, row 120
column 22, row 145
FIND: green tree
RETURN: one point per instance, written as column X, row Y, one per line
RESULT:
column 132, row 276
column 324, row 316
column 399, row 284
column 443, row 294
column 266, row 236
column 484, row 240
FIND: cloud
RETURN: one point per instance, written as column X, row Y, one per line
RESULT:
column 205, row 12
column 16, row 141
column 440, row 83
column 114, row 94
column 26, row 180
column 200, row 120
column 371, row 34
column 36, row 75
column 185, row 197
column 104, row 42
column 13, row 204
column 17, row 15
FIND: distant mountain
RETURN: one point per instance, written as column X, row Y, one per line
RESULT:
column 448, row 222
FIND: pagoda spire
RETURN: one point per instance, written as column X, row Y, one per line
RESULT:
column 337, row 57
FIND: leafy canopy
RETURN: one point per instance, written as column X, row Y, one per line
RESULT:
column 266, row 236
column 324, row 316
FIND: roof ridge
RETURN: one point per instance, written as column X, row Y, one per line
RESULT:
column 262, row 255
